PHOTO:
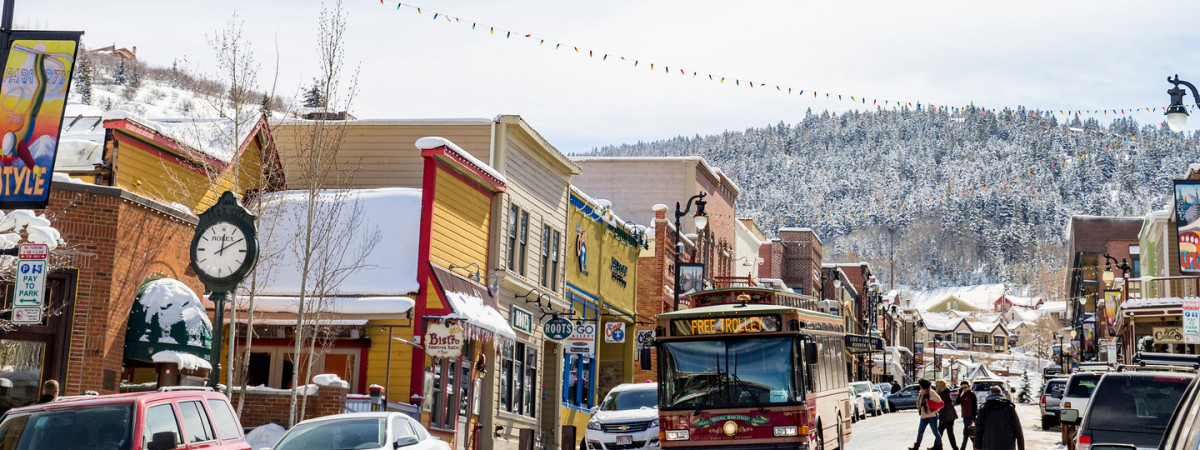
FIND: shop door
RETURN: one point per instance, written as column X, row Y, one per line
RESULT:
column 31, row 354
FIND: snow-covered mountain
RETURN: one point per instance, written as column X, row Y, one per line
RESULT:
column 967, row 197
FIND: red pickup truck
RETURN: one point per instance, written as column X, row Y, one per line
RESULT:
column 165, row 420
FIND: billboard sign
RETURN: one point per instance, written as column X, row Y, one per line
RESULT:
column 34, row 87
column 1187, row 224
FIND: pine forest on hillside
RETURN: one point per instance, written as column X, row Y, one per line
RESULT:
column 908, row 160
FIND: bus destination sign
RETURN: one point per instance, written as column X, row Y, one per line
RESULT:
column 725, row 325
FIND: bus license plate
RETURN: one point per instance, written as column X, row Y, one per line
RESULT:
column 624, row 440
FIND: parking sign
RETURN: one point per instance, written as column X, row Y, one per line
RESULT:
column 30, row 284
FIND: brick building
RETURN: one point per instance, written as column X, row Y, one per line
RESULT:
column 115, row 242
column 656, row 280
column 1089, row 238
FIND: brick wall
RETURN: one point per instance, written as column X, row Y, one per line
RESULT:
column 272, row 406
column 655, row 281
column 116, row 240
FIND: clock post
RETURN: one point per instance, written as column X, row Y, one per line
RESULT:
column 224, row 250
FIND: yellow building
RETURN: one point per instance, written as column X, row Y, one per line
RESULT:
column 602, row 253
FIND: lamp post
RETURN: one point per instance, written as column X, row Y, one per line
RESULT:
column 919, row 324
column 1068, row 357
column 1177, row 113
column 701, row 221
column 937, row 341
column 1061, row 352
column 1078, row 331
column 1109, row 263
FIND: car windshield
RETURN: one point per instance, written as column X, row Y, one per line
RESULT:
column 86, row 427
column 1082, row 385
column 337, row 434
column 1135, row 403
column 752, row 372
column 633, row 399
column 860, row 388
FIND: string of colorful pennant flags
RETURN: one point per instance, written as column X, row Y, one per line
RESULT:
column 738, row 82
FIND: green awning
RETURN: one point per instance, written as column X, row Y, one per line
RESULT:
column 167, row 315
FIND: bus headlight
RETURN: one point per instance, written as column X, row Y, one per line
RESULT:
column 790, row 430
column 678, row 435
column 593, row 425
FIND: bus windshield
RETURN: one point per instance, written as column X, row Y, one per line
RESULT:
column 733, row 372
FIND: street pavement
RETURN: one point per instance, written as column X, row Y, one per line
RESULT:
column 898, row 430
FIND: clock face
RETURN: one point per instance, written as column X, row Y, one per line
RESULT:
column 221, row 250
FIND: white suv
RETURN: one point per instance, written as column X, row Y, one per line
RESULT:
column 872, row 399
column 627, row 419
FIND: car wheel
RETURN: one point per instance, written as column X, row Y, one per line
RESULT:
column 1049, row 421
column 854, row 417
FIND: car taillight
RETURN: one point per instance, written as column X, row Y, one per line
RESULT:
column 1043, row 401
column 1085, row 442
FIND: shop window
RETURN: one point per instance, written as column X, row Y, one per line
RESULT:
column 579, row 370
column 517, row 390
column 530, row 380
column 451, row 387
column 21, row 363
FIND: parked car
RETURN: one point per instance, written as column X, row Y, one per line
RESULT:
column 162, row 420
column 1183, row 431
column 884, row 390
column 906, row 398
column 1052, row 394
column 1131, row 408
column 982, row 388
column 859, row 404
column 627, row 418
column 364, row 431
column 1079, row 391
column 871, row 398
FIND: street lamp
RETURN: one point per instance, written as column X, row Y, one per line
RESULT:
column 1176, row 113
column 701, row 219
column 937, row 341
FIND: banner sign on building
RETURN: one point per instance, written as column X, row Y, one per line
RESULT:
column 583, row 339
column 557, row 329
column 614, row 333
column 30, row 284
column 863, row 344
column 645, row 339
column 1187, row 223
column 37, row 78
column 521, row 319
column 1167, row 335
column 1191, row 320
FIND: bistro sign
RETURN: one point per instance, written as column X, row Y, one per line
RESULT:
column 443, row 341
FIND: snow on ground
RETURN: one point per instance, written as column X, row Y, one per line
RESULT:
column 265, row 436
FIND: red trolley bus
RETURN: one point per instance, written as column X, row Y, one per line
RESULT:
column 752, row 369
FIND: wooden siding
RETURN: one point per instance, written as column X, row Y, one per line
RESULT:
column 150, row 172
column 402, row 357
column 544, row 194
column 460, row 223
column 378, row 155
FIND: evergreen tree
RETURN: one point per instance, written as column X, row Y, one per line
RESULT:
column 121, row 77
column 83, row 82
column 313, row 97
column 1024, row 395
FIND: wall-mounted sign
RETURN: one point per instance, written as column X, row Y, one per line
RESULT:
column 583, row 339
column 581, row 249
column 863, row 344
column 1191, row 320
column 614, row 332
column 618, row 272
column 691, row 278
column 522, row 320
column 1168, row 335
column 30, row 284
column 645, row 338
column 557, row 329
column 443, row 341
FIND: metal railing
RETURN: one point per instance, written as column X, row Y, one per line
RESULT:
column 1162, row 287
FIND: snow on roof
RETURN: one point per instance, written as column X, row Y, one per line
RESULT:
column 1153, row 302
column 335, row 305
column 939, row 322
column 185, row 361
column 983, row 327
column 211, row 136
column 980, row 296
column 426, row 143
column 1053, row 307
column 470, row 307
column 385, row 222
column 167, row 302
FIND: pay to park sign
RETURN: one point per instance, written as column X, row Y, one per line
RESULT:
column 30, row 284
column 1191, row 321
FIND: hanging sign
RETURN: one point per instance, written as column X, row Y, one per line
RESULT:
column 614, row 333
column 557, row 329
column 645, row 339
column 1191, row 320
column 1187, row 224
column 37, row 76
column 443, row 341
column 583, row 339
column 30, row 285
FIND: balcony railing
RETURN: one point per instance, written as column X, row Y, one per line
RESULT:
column 1183, row 286
column 732, row 282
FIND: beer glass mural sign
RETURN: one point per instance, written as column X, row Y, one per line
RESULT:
column 33, row 97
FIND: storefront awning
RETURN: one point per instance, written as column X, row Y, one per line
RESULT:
column 331, row 309
column 473, row 303
column 167, row 315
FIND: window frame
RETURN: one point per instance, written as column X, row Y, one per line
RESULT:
column 147, row 434
column 223, row 406
column 523, row 244
column 556, row 238
column 514, row 367
column 514, row 212
column 545, row 278
column 583, row 364
column 205, row 422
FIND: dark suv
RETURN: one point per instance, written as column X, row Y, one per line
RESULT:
column 164, row 420
column 1130, row 408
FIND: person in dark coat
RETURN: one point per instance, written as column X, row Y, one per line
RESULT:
column 49, row 391
column 895, row 387
column 997, row 426
column 968, row 401
column 947, row 415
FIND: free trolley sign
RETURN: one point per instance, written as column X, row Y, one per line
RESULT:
column 863, row 344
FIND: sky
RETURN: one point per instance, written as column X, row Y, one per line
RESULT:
column 1050, row 55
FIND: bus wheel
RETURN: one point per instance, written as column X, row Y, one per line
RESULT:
column 820, row 436
column 841, row 437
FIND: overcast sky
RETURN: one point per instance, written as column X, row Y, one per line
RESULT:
column 1055, row 55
